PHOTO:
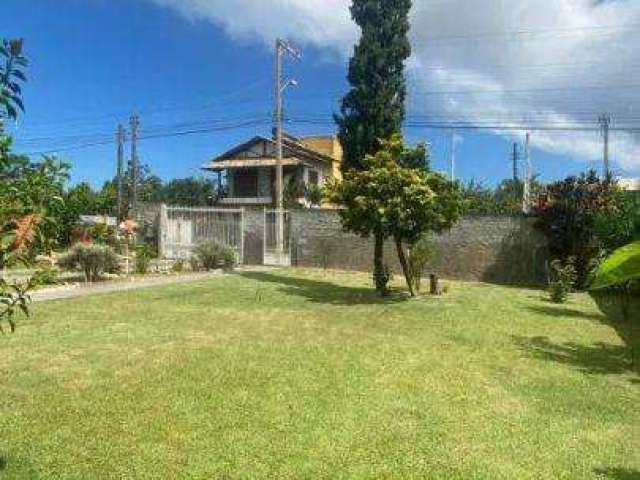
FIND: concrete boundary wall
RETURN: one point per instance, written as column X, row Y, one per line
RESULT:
column 499, row 249
column 493, row 249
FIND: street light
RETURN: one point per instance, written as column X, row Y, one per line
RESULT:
column 282, row 48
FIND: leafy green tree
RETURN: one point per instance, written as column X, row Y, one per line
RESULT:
column 623, row 226
column 392, row 201
column 569, row 219
column 192, row 191
column 505, row 199
column 11, row 74
column 374, row 109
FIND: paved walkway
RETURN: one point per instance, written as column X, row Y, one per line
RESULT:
column 83, row 290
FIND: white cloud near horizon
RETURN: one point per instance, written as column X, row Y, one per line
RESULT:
column 519, row 61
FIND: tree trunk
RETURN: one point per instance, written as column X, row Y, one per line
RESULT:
column 405, row 266
column 379, row 274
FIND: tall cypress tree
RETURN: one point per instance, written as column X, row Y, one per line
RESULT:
column 373, row 110
column 374, row 107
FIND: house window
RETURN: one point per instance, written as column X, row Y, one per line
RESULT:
column 245, row 183
column 314, row 179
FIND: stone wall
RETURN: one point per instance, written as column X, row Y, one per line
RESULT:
column 493, row 249
column 253, row 236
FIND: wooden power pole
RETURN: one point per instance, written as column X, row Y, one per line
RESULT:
column 120, row 139
column 134, row 168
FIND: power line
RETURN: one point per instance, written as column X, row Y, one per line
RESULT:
column 488, row 126
column 607, row 29
column 81, row 146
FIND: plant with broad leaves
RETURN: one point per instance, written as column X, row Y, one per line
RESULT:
column 617, row 274
column 15, row 297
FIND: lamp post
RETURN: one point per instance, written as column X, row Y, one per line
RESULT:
column 282, row 48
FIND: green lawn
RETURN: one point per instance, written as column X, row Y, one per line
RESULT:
column 307, row 375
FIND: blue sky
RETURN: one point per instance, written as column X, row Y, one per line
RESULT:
column 93, row 62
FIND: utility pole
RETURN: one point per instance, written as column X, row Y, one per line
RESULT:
column 120, row 138
column 282, row 49
column 526, row 201
column 515, row 157
column 605, row 124
column 135, row 124
column 453, row 156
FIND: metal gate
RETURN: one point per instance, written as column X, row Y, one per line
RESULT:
column 277, row 233
column 182, row 229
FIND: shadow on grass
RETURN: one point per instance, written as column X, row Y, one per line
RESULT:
column 324, row 292
column 599, row 358
column 557, row 311
column 618, row 473
column 3, row 462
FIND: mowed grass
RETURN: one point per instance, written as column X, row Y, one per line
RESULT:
column 305, row 374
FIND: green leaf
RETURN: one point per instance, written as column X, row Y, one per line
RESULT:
column 621, row 267
column 19, row 75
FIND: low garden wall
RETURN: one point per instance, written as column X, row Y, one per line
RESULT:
column 493, row 249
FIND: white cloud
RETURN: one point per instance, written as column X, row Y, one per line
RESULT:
column 535, row 75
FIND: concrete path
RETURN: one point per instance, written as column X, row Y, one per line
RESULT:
column 83, row 290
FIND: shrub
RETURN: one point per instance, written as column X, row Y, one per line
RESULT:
column 314, row 195
column 178, row 266
column 562, row 278
column 213, row 255
column 144, row 254
column 572, row 219
column 194, row 264
column 92, row 260
column 419, row 257
column 48, row 276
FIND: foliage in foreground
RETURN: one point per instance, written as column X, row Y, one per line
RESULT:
column 91, row 259
column 15, row 297
column 618, row 277
column 389, row 200
column 623, row 266
column 11, row 74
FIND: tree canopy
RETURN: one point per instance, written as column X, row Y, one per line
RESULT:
column 393, row 201
column 374, row 107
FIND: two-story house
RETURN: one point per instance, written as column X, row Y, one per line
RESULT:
column 249, row 170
